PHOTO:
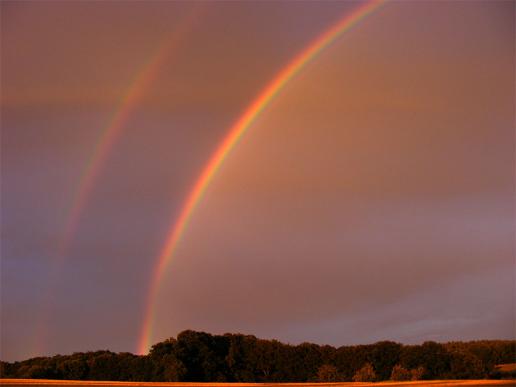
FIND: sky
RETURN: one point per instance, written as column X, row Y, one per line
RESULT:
column 372, row 199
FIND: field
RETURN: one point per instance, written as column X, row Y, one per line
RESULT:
column 437, row 383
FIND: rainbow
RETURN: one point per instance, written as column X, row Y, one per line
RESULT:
column 114, row 129
column 107, row 139
column 235, row 133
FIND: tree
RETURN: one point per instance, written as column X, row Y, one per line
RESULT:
column 199, row 356
column 327, row 373
column 433, row 357
column 417, row 373
column 365, row 374
column 72, row 369
column 308, row 358
column 400, row 374
column 240, row 357
column 173, row 369
column 465, row 365
column 383, row 356
column 4, row 369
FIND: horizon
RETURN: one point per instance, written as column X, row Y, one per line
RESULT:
column 269, row 339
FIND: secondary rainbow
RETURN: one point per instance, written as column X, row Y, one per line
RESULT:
column 235, row 133
column 114, row 129
column 107, row 139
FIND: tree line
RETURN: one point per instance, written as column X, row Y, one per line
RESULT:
column 202, row 357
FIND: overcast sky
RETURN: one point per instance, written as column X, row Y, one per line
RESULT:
column 372, row 200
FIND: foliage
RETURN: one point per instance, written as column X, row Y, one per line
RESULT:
column 466, row 365
column 365, row 374
column 417, row 373
column 400, row 374
column 327, row 373
column 202, row 357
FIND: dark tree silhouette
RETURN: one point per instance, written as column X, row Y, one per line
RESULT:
column 202, row 357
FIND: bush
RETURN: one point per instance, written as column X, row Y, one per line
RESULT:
column 365, row 374
column 327, row 373
column 417, row 373
column 400, row 374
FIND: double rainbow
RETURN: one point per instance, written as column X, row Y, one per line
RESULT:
column 235, row 133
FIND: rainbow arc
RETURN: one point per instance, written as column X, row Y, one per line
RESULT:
column 104, row 145
column 235, row 133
